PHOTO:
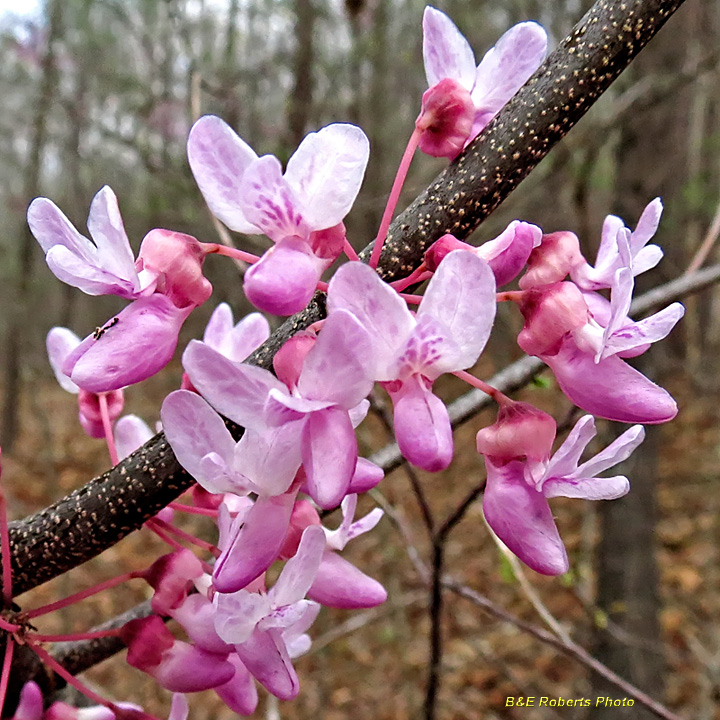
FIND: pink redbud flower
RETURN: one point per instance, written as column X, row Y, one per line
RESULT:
column 263, row 628
column 522, row 477
column 410, row 351
column 463, row 98
column 172, row 576
column 553, row 260
column 301, row 211
column 103, row 266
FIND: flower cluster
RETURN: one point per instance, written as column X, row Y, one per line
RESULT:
column 297, row 454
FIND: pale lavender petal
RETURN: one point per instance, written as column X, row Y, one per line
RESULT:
column 238, row 341
column 461, row 295
column 587, row 488
column 618, row 451
column 135, row 345
column 340, row 584
column 179, row 708
column 236, row 391
column 238, row 613
column 337, row 539
column 218, row 327
column 365, row 524
column 107, row 230
column 565, row 461
column 239, row 693
column 329, row 454
column 266, row 657
column 256, row 545
column 269, row 202
column 285, row 616
column 359, row 412
column 130, row 433
column 326, row 172
column 282, row 408
column 647, row 226
column 270, row 458
column 284, row 280
column 194, row 431
column 647, row 258
column 295, row 637
column 507, row 66
column 367, row 476
column 357, row 288
column 521, row 517
column 335, row 369
column 644, row 332
column 422, row 426
column 446, row 52
column 218, row 159
column 611, row 388
column 60, row 342
column 51, row 227
column 300, row 570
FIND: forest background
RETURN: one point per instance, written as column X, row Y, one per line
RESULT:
column 104, row 91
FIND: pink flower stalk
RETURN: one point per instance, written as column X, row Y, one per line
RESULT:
column 409, row 352
column 462, row 98
column 267, row 630
column 522, row 476
column 301, row 211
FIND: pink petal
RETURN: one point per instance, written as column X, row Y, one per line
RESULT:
column 461, row 295
column 422, row 426
column 508, row 253
column 618, row 451
column 128, row 351
column 285, row 278
column 130, row 433
column 218, row 159
column 196, row 615
column 30, row 706
column 326, row 172
column 60, row 342
column 446, row 52
column 520, row 516
column 186, row 668
column 299, row 572
column 239, row 693
column 340, row 584
column 367, row 475
column 329, row 454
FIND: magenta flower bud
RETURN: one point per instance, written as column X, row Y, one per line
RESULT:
column 177, row 259
column 441, row 247
column 328, row 243
column 303, row 515
column 147, row 639
column 288, row 360
column 550, row 312
column 30, row 706
column 367, row 476
column 340, row 584
column 89, row 411
column 446, row 119
column 520, row 430
column 171, row 576
column 553, row 260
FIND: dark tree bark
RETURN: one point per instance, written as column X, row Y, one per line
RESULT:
column 300, row 105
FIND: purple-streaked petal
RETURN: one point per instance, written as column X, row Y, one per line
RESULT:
column 644, row 332
column 520, row 516
column 587, row 488
column 132, row 347
column 269, row 202
column 130, row 433
column 618, row 451
column 238, row 613
column 295, row 637
column 357, row 288
column 218, row 159
column 237, row 391
column 446, row 52
column 329, row 455
column 507, row 66
column 239, row 693
column 365, row 524
column 284, row 280
column 422, row 426
column 256, row 545
column 335, row 369
column 60, row 342
column 299, row 572
column 611, row 389
column 461, row 295
column 266, row 657
column 340, row 584
column 326, row 172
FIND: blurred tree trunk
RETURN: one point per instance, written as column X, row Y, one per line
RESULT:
column 31, row 186
column 300, row 105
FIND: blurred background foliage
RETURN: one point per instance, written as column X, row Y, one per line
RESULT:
column 99, row 92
